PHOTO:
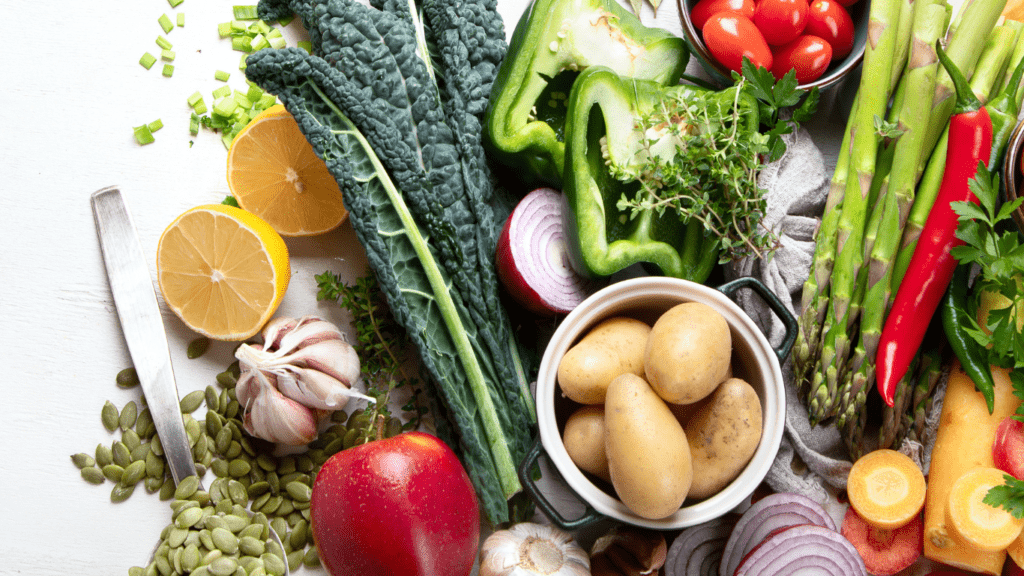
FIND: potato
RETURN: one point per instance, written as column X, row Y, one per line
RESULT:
column 648, row 456
column 615, row 346
column 584, row 440
column 723, row 436
column 688, row 353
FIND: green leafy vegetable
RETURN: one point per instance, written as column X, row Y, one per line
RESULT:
column 773, row 97
column 1009, row 496
column 392, row 99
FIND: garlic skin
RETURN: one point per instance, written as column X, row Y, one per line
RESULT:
column 528, row 549
column 304, row 366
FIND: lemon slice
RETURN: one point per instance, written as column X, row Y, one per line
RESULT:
column 274, row 173
column 222, row 270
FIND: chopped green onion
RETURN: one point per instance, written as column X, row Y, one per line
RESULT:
column 240, row 43
column 238, row 26
column 155, row 125
column 147, row 60
column 241, row 99
column 224, row 29
column 168, row 70
column 305, row 45
column 226, row 140
column 246, row 12
column 167, row 55
column 143, row 135
column 174, row 3
column 165, row 23
column 241, row 62
column 274, row 33
column 222, row 92
column 286, row 20
column 197, row 103
column 224, row 107
column 181, row 19
column 163, row 43
column 193, row 125
column 258, row 42
column 266, row 101
column 254, row 93
column 221, row 75
column 278, row 42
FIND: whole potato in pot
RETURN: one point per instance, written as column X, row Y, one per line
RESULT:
column 723, row 436
column 612, row 347
column 688, row 352
column 584, row 440
column 648, row 456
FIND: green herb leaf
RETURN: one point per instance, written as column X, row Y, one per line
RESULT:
column 1009, row 496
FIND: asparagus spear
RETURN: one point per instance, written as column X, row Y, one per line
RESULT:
column 872, row 101
column 896, row 197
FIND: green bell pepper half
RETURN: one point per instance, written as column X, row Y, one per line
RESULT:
column 600, row 135
column 552, row 42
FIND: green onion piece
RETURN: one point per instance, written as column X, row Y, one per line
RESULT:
column 222, row 92
column 278, row 42
column 224, row 29
column 238, row 26
column 286, row 20
column 241, row 62
column 305, row 45
column 167, row 55
column 221, row 75
column 155, row 125
column 168, row 70
column 241, row 100
column 259, row 27
column 245, row 12
column 226, row 139
column 181, row 19
column 224, row 107
column 254, row 93
column 163, row 43
column 174, row 3
column 240, row 43
column 143, row 135
column 147, row 60
column 274, row 33
column 195, row 98
column 266, row 101
column 165, row 23
column 259, row 42
column 193, row 125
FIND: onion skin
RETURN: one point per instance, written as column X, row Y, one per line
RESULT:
column 698, row 549
column 532, row 260
column 766, row 515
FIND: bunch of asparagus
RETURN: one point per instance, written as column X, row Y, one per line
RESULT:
column 886, row 179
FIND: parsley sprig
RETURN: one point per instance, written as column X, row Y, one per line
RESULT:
column 994, row 245
column 381, row 343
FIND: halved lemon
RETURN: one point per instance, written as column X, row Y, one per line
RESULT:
column 274, row 173
column 222, row 270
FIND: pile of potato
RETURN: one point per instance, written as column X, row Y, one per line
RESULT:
column 662, row 418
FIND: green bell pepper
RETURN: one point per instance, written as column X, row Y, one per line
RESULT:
column 553, row 41
column 605, row 153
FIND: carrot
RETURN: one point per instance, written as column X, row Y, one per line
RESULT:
column 886, row 488
column 984, row 527
column 964, row 441
column 1016, row 551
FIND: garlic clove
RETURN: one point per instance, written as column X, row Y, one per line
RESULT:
column 316, row 389
column 273, row 416
column 276, row 329
column 628, row 551
column 309, row 330
column 334, row 358
column 532, row 549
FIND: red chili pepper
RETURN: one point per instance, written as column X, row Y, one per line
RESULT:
column 932, row 265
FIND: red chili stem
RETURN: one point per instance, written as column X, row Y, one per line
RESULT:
column 932, row 265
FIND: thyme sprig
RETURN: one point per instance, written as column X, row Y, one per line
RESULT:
column 381, row 343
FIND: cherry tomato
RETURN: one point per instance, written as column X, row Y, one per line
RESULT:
column 706, row 8
column 780, row 21
column 730, row 37
column 809, row 55
column 828, row 20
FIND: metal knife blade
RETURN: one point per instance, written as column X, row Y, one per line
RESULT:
column 137, row 308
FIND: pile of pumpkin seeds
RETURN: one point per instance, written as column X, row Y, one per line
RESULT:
column 247, row 474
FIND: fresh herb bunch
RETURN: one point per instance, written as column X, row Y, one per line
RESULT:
column 996, row 248
column 382, row 345
column 712, row 176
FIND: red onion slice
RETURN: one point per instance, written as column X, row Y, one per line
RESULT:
column 767, row 515
column 697, row 551
column 532, row 258
column 808, row 550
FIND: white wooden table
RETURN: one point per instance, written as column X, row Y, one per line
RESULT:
column 72, row 90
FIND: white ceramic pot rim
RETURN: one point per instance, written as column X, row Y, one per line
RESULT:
column 630, row 293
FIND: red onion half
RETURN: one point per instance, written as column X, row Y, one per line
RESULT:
column 697, row 551
column 807, row 549
column 533, row 261
column 766, row 516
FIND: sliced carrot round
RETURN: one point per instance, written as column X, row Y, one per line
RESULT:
column 984, row 527
column 886, row 488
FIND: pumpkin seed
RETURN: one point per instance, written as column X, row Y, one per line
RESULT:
column 188, row 517
column 222, row 441
column 299, row 491
column 121, row 492
column 302, row 506
column 273, row 564
column 211, row 556
column 312, row 557
column 258, row 488
column 224, row 540
column 167, row 489
column 140, row 452
column 104, row 455
column 260, row 501
column 113, row 472
column 156, row 446
column 126, row 419
column 295, row 559
column 133, row 473
column 350, row 438
column 122, row 455
column 258, row 571
column 236, row 521
column 136, row 571
column 251, row 546
column 192, row 401
column 186, row 487
column 193, row 431
column 162, row 565
column 153, row 483
column 83, row 460
column 232, row 409
column 190, row 558
column 176, row 536
column 271, row 505
column 298, row 536
column 200, row 449
column 93, row 475
column 197, row 347
column 201, row 571
column 238, row 467
column 154, row 465
column 130, row 439
column 334, row 446
column 223, row 566
column 179, row 505
column 212, row 399
column 280, row 525
column 226, row 379
column 109, row 416
column 285, row 508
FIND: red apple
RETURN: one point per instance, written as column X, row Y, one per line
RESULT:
column 400, row 506
column 1008, row 447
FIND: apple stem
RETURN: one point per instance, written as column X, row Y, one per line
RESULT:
column 378, row 431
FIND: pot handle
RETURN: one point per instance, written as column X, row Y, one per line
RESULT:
column 525, row 470
column 773, row 302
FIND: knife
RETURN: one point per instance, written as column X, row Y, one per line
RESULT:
column 137, row 308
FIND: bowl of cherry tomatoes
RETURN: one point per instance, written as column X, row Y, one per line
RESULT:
column 822, row 40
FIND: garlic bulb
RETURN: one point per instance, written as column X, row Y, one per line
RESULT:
column 528, row 549
column 304, row 366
